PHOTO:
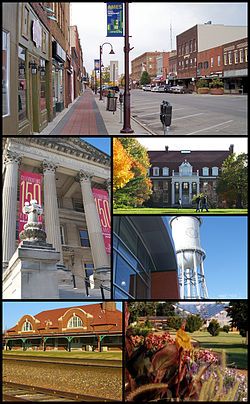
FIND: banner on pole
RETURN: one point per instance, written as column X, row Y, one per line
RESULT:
column 102, row 206
column 114, row 19
column 30, row 189
column 96, row 65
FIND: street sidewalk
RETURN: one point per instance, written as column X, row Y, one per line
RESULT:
column 87, row 115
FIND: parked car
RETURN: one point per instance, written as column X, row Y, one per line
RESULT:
column 115, row 88
column 147, row 87
column 180, row 90
column 155, row 89
column 164, row 88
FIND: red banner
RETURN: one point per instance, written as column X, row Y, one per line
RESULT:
column 30, row 188
column 102, row 206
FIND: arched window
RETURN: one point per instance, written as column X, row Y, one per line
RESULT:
column 215, row 171
column 75, row 322
column 27, row 326
column 156, row 171
column 165, row 171
column 205, row 171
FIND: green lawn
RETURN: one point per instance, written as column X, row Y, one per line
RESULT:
column 231, row 342
column 173, row 211
column 116, row 355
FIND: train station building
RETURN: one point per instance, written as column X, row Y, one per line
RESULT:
column 183, row 174
column 91, row 327
column 70, row 179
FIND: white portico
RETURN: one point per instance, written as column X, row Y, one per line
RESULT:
column 70, row 168
column 185, row 183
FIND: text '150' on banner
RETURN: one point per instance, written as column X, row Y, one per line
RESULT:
column 114, row 19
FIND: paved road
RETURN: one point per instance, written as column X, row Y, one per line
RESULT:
column 192, row 114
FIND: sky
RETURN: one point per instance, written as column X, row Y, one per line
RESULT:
column 13, row 311
column 204, row 143
column 101, row 143
column 224, row 239
column 149, row 26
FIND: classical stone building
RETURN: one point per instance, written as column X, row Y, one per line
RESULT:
column 69, row 168
column 182, row 174
column 91, row 327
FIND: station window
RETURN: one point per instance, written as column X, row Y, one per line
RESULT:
column 75, row 322
column 27, row 326
column 84, row 238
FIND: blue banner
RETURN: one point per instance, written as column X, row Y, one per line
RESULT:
column 114, row 19
column 97, row 64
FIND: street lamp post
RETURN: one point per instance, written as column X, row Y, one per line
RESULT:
column 126, row 122
column 111, row 53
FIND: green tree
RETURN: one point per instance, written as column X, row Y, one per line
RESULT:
column 174, row 322
column 234, row 178
column 193, row 323
column 238, row 311
column 202, row 83
column 148, row 323
column 216, row 83
column 165, row 309
column 139, row 188
column 214, row 328
column 145, row 78
column 226, row 328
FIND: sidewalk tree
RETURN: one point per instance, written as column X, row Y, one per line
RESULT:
column 145, row 78
column 122, row 164
column 106, row 75
column 139, row 188
column 234, row 178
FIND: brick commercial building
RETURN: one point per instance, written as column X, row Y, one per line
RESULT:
column 183, row 174
column 90, row 327
column 145, row 62
column 198, row 39
column 235, row 66
column 68, row 170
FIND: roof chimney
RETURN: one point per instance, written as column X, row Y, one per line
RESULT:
column 231, row 148
column 166, row 149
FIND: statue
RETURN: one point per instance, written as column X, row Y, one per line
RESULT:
column 32, row 229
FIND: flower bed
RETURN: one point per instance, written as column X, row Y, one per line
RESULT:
column 159, row 367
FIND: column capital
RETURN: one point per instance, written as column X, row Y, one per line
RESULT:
column 108, row 183
column 84, row 176
column 49, row 166
column 11, row 157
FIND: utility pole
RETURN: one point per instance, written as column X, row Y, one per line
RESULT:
column 126, row 122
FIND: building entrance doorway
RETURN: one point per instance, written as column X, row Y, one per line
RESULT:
column 185, row 193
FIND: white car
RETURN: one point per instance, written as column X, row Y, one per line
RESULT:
column 155, row 89
column 147, row 87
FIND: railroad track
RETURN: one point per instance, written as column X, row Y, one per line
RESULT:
column 65, row 361
column 22, row 392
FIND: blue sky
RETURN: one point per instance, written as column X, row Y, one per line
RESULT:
column 102, row 143
column 224, row 240
column 13, row 311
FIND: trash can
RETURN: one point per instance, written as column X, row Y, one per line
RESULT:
column 166, row 113
column 111, row 102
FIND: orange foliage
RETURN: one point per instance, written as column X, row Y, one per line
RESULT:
column 122, row 164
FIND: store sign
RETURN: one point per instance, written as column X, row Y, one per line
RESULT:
column 30, row 189
column 102, row 206
column 58, row 52
column 114, row 19
column 37, row 33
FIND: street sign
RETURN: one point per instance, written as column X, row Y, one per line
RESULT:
column 114, row 19
column 97, row 64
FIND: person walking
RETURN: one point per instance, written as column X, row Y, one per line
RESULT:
column 197, row 201
column 179, row 204
column 204, row 203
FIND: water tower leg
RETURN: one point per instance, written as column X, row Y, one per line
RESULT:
column 193, row 283
column 204, row 285
column 188, row 284
column 182, row 276
column 196, row 277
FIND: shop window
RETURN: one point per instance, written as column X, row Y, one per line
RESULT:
column 205, row 171
column 5, row 73
column 241, row 56
column 225, row 59
column 84, row 238
column 165, row 171
column 236, row 57
column 22, row 108
column 218, row 60
column 75, row 322
column 155, row 171
column 27, row 326
column 215, row 171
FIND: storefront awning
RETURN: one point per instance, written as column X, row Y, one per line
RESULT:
column 158, row 79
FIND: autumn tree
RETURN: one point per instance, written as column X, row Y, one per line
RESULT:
column 234, row 178
column 122, row 164
column 139, row 188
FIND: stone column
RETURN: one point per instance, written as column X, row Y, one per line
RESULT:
column 173, row 189
column 190, row 191
column 11, row 161
column 100, row 257
column 108, row 185
column 52, row 224
column 180, row 190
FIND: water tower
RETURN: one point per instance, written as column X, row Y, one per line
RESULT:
column 190, row 256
